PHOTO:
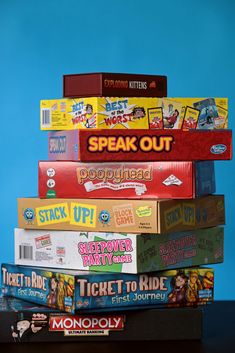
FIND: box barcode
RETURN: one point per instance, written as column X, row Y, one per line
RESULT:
column 46, row 117
column 26, row 252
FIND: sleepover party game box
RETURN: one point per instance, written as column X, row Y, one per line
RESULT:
column 23, row 321
column 70, row 291
column 175, row 180
column 118, row 252
column 104, row 84
column 113, row 215
column 139, row 145
column 134, row 113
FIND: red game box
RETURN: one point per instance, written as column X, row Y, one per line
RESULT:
column 114, row 85
column 141, row 180
column 140, row 145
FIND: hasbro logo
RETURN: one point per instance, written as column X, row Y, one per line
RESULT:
column 218, row 149
column 29, row 214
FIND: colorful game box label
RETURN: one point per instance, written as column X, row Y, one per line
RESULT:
column 126, row 180
column 139, row 145
column 72, row 290
column 118, row 252
column 114, row 85
column 134, row 113
column 113, row 215
column 23, row 321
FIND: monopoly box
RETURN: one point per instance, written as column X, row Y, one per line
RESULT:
column 134, row 113
column 114, row 85
column 113, row 215
column 23, row 321
column 139, row 145
column 70, row 291
column 141, row 180
column 118, row 252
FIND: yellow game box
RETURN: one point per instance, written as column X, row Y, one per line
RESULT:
column 134, row 113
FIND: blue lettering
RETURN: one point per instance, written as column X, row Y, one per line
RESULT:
column 77, row 213
column 188, row 214
column 78, row 106
column 116, row 105
column 86, row 213
column 173, row 217
column 41, row 216
column 81, row 214
column 62, row 212
column 46, row 215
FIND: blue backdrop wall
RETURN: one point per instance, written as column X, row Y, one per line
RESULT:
column 192, row 42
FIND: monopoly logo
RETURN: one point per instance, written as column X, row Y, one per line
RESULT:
column 130, row 143
column 91, row 323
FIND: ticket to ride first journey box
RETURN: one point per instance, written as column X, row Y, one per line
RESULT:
column 113, row 215
column 176, row 180
column 139, row 145
column 134, row 113
column 70, row 291
column 23, row 321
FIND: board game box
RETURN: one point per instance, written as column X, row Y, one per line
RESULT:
column 139, row 145
column 69, row 290
column 118, row 252
column 134, row 113
column 123, row 215
column 23, row 321
column 176, row 180
column 103, row 84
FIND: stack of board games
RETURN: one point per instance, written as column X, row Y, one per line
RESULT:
column 126, row 211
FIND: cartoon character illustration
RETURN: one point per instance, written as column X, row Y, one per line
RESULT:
column 155, row 123
column 208, row 280
column 138, row 112
column 209, row 116
column 190, row 123
column 155, row 116
column 61, row 293
column 52, row 296
column 89, row 109
column 104, row 217
column 24, row 328
column 171, row 119
column 70, row 288
column 194, row 285
column 208, row 112
column 179, row 287
column 29, row 215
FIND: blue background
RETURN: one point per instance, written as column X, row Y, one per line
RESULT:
column 192, row 42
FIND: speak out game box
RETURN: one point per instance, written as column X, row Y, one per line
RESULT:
column 139, row 145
